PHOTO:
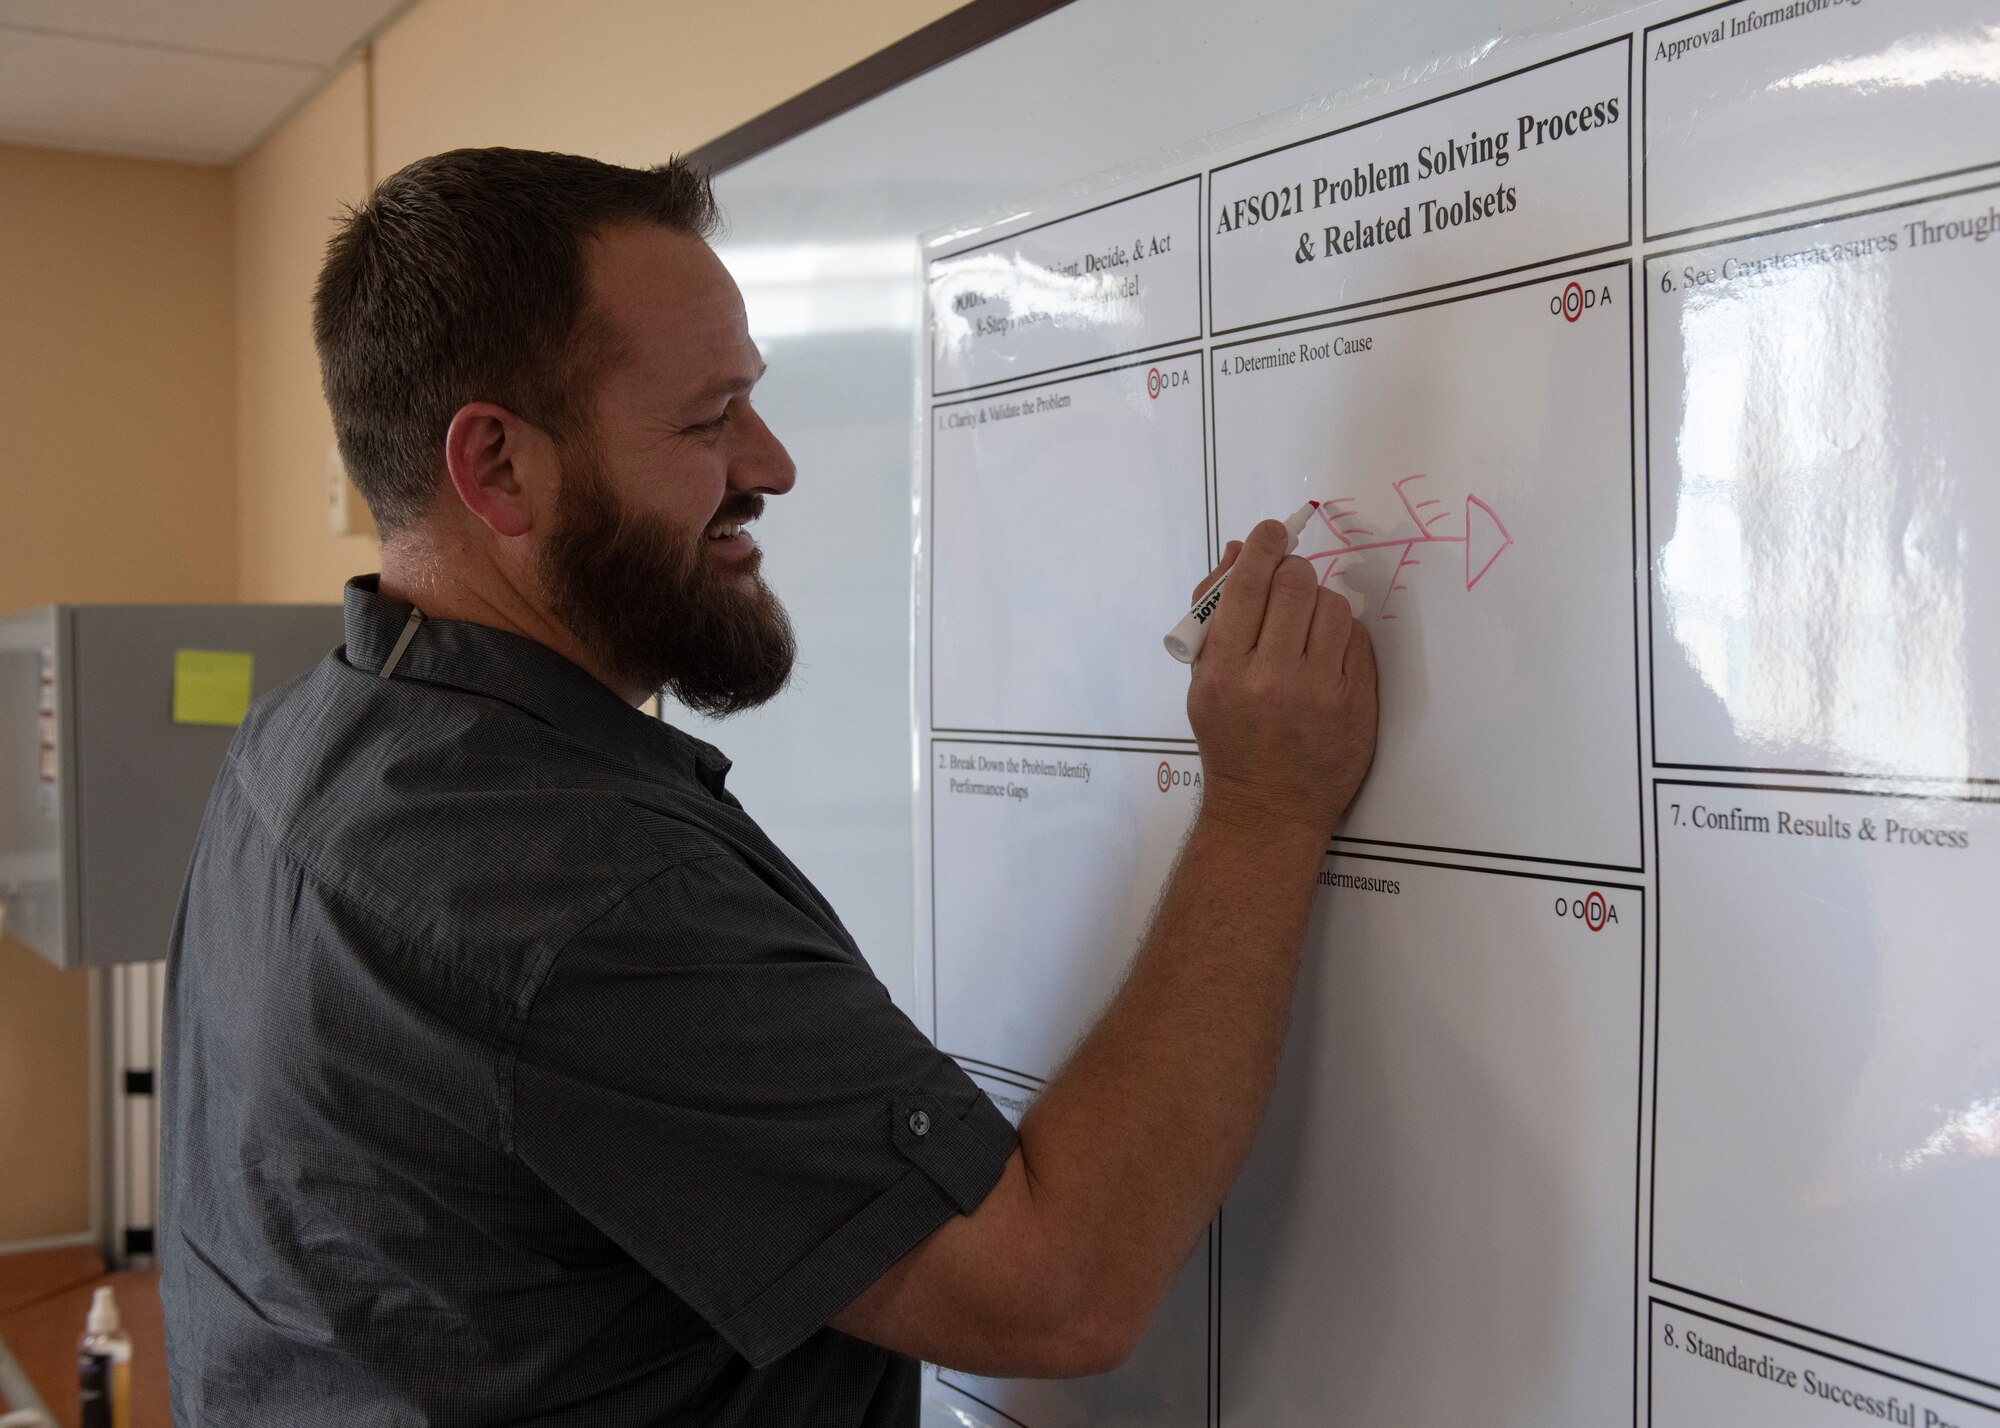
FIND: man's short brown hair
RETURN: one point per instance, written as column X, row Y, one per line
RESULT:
column 463, row 278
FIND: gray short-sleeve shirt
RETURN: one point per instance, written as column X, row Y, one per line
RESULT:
column 514, row 1076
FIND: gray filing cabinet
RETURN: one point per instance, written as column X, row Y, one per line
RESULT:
column 101, row 792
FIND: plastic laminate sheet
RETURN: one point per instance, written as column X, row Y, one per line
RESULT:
column 1645, row 1064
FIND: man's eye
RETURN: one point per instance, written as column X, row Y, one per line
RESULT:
column 715, row 425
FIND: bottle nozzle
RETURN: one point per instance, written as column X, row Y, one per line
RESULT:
column 103, row 1312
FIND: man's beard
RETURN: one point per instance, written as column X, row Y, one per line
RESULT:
column 648, row 604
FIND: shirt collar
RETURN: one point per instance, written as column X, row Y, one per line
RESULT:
column 530, row 676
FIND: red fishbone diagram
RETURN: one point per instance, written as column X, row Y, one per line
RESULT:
column 1483, row 535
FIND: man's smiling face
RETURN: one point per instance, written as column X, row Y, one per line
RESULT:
column 652, row 565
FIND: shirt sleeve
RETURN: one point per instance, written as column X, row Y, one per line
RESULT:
column 731, row 1096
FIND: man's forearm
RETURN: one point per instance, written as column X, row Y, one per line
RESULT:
column 1133, row 1145
column 1130, row 1149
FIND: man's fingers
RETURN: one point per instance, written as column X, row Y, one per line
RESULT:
column 1288, row 614
column 1229, row 554
column 1357, row 665
column 1326, row 645
column 1233, row 630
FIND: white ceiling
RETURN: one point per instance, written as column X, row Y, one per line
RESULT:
column 200, row 80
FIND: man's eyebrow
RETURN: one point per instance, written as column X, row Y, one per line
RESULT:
column 731, row 386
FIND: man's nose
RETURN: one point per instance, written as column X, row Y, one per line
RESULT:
column 764, row 465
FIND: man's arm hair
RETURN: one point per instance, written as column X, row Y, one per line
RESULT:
column 1127, row 1154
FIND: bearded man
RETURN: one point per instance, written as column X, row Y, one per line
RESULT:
column 514, row 1076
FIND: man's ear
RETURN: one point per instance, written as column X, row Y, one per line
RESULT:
column 502, row 467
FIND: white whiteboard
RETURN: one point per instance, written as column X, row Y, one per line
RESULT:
column 1645, row 1067
column 823, row 239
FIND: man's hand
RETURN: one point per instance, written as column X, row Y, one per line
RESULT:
column 1283, row 693
column 1126, row 1155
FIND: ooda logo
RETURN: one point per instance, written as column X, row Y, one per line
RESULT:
column 1576, row 299
column 1170, row 778
column 1594, row 910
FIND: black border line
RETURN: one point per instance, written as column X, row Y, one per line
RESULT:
column 1634, row 156
column 1824, row 220
column 1653, row 1120
column 1642, row 1184
column 1638, row 888
column 931, row 775
column 1340, row 838
column 1652, row 592
column 1659, row 958
column 1030, row 739
column 1894, row 776
column 1654, row 1302
column 1196, row 336
column 1199, row 357
column 1625, row 242
column 1826, row 202
column 1646, row 189
column 1219, row 1213
column 1645, row 153
column 1211, row 511
column 1645, row 399
column 1037, row 734
column 1632, row 276
column 1635, row 277
column 1639, row 1042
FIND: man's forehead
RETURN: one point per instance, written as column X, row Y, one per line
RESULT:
column 669, row 296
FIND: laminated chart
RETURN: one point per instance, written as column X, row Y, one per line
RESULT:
column 1469, row 1061
column 1036, row 868
column 1492, row 552
column 1751, row 113
column 1823, row 459
column 1645, row 1061
column 1826, row 1129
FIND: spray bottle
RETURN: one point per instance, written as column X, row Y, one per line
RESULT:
column 104, row 1365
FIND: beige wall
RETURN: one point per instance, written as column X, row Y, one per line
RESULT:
column 117, row 484
column 287, row 195
column 629, row 81
column 166, row 437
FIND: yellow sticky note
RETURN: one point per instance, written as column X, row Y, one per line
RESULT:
column 211, row 686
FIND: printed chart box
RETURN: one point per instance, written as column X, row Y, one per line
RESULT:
column 1826, row 1145
column 1120, row 278
column 1483, row 506
column 1706, row 1371
column 1826, row 526
column 1069, row 524
column 1756, row 108
column 1437, row 1223
column 1165, row 1384
column 1041, row 891
column 1523, row 169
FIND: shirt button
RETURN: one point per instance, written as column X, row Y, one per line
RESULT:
column 920, row 1123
